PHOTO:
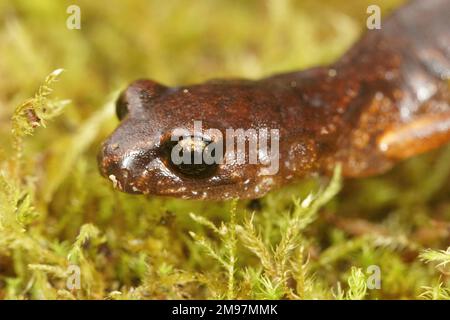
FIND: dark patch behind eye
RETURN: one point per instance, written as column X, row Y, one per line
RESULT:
column 121, row 106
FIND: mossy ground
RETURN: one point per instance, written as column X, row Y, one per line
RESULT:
column 57, row 212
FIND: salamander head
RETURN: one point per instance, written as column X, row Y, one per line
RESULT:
column 172, row 141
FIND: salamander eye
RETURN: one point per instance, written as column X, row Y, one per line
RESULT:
column 192, row 157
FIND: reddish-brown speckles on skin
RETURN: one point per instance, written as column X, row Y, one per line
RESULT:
column 386, row 99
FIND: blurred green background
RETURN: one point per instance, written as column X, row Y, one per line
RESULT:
column 57, row 211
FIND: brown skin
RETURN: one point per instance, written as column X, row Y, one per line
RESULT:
column 385, row 100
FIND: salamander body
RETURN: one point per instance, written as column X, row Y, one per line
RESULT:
column 385, row 100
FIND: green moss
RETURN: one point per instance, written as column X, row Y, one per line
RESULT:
column 308, row 241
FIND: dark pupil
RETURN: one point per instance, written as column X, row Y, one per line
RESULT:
column 192, row 149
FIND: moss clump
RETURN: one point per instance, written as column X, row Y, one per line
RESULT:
column 60, row 219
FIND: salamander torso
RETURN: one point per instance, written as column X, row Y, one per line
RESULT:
column 385, row 100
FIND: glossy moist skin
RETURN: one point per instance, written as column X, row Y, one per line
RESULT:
column 385, row 100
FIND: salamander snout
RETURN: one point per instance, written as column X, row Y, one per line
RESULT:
column 126, row 167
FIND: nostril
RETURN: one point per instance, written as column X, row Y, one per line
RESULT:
column 136, row 161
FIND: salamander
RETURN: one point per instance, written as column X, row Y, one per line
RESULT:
column 386, row 99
